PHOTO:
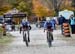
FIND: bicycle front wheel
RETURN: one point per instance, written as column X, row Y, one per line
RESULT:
column 26, row 41
column 49, row 38
column 50, row 43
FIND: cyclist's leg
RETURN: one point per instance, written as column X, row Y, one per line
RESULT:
column 28, row 36
column 50, row 38
column 20, row 29
column 23, row 33
column 23, row 36
column 47, row 35
column 51, row 34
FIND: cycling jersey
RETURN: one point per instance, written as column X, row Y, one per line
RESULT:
column 25, row 24
column 48, row 25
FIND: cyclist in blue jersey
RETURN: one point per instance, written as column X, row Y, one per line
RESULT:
column 49, row 27
column 48, row 24
column 25, row 25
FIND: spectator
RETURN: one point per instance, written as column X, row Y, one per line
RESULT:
column 61, row 20
column 13, row 25
column 4, row 28
column 72, row 23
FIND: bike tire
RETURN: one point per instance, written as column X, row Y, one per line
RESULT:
column 50, row 43
column 26, row 41
column 49, row 39
column 24, row 38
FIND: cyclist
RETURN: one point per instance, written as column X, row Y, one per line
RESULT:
column 13, row 25
column 48, row 24
column 25, row 25
column 49, row 27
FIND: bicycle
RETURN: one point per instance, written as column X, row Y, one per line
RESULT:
column 49, row 37
column 25, row 38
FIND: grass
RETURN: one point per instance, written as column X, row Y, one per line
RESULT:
column 6, row 39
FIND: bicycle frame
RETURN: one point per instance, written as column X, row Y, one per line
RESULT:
column 49, row 37
column 49, row 34
column 25, row 36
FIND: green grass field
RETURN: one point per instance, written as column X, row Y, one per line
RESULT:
column 6, row 39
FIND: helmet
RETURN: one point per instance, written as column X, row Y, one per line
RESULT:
column 48, row 19
column 24, row 20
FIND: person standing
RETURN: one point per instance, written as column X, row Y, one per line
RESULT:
column 72, row 24
column 13, row 25
column 61, row 20
column 4, row 28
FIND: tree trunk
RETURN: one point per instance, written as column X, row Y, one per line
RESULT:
column 56, row 12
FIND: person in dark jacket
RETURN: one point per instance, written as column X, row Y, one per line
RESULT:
column 61, row 20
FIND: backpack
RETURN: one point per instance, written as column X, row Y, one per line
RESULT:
column 49, row 25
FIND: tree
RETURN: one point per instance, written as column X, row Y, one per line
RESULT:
column 73, row 5
column 24, row 7
column 4, row 6
column 15, row 3
column 38, row 9
column 4, row 9
column 54, row 4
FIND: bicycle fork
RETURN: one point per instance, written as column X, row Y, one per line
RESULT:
column 49, row 38
column 25, row 38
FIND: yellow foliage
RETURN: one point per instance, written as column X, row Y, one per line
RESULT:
column 41, row 10
column 6, row 7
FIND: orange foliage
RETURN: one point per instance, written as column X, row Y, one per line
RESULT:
column 40, row 10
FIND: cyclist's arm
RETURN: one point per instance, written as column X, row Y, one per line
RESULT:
column 29, row 26
column 22, row 23
column 28, row 23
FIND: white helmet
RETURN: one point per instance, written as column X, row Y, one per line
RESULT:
column 47, row 18
column 24, row 20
